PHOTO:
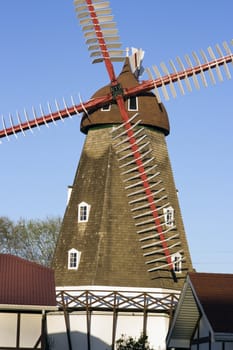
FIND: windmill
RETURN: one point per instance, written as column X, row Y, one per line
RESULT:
column 125, row 155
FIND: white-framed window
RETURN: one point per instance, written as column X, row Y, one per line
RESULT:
column 73, row 259
column 106, row 108
column 133, row 103
column 83, row 212
column 177, row 262
column 168, row 216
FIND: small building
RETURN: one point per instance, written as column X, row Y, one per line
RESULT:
column 203, row 318
column 27, row 293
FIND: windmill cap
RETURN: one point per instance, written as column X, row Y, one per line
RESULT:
column 151, row 113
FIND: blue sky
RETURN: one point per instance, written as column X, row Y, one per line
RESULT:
column 44, row 57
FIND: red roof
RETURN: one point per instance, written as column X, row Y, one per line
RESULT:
column 215, row 293
column 25, row 283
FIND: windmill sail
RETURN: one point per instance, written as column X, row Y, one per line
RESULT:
column 99, row 30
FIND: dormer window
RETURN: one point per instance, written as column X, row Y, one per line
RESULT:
column 106, row 108
column 177, row 262
column 168, row 216
column 83, row 212
column 73, row 259
column 133, row 103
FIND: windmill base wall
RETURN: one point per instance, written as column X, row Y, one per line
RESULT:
column 102, row 329
column 95, row 317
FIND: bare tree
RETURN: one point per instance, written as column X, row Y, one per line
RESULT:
column 33, row 240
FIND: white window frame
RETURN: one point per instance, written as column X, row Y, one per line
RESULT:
column 177, row 262
column 73, row 262
column 81, row 216
column 129, row 101
column 169, row 216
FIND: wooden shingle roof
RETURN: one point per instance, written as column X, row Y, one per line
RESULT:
column 119, row 244
column 25, row 283
column 151, row 112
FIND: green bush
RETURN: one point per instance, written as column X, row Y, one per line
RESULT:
column 130, row 343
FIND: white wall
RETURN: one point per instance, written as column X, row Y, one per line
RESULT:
column 30, row 329
column 101, row 329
